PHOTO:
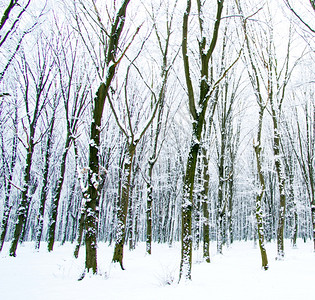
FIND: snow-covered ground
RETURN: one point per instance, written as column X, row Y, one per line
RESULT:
column 234, row 275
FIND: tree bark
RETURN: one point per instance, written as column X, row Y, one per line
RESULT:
column 259, row 210
column 123, row 206
column 44, row 190
column 281, row 182
column 7, row 207
column 205, row 210
column 25, row 201
column 197, row 126
column 57, row 194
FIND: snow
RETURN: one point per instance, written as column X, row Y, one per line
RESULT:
column 235, row 275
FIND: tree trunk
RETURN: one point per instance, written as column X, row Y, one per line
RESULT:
column 259, row 211
column 205, row 199
column 123, row 206
column 25, row 201
column 92, row 200
column 149, row 210
column 44, row 190
column 56, row 195
column 221, row 206
column 7, row 207
column 5, row 220
column 80, row 229
column 281, row 186
column 198, row 116
column 186, row 209
column 31, row 192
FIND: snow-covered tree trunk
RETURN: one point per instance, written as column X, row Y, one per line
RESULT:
column 198, row 116
column 222, row 201
column 44, row 189
column 123, row 205
column 37, row 82
column 10, row 172
column 256, row 81
column 260, row 194
column 74, row 95
column 56, row 194
column 149, row 209
column 281, row 185
column 93, row 193
column 204, row 204
column 25, row 200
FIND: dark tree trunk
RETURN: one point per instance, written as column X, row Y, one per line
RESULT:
column 259, row 210
column 57, row 194
column 197, row 126
column 7, row 207
column 92, row 201
column 149, row 210
column 25, row 201
column 205, row 209
column 44, row 190
column 80, row 230
column 93, row 193
column 186, row 212
column 123, row 206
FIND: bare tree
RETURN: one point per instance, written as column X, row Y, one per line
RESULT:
column 226, row 138
column 9, row 159
column 47, row 160
column 75, row 89
column 256, row 82
column 164, row 47
column 305, row 154
column 106, row 66
column 36, row 83
column 133, row 134
column 197, row 111
column 302, row 140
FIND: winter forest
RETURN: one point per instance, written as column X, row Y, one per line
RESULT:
column 157, row 122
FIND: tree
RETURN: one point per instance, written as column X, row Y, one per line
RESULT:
column 9, row 159
column 47, row 160
column 227, row 142
column 256, row 82
column 133, row 134
column 197, row 111
column 110, row 46
column 303, row 148
column 164, row 45
column 75, row 89
column 36, row 92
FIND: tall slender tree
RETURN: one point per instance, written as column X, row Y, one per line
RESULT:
column 75, row 89
column 198, row 112
column 47, row 160
column 164, row 45
column 9, row 161
column 36, row 88
column 110, row 46
column 254, row 75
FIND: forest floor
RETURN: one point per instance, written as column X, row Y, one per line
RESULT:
column 236, row 274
